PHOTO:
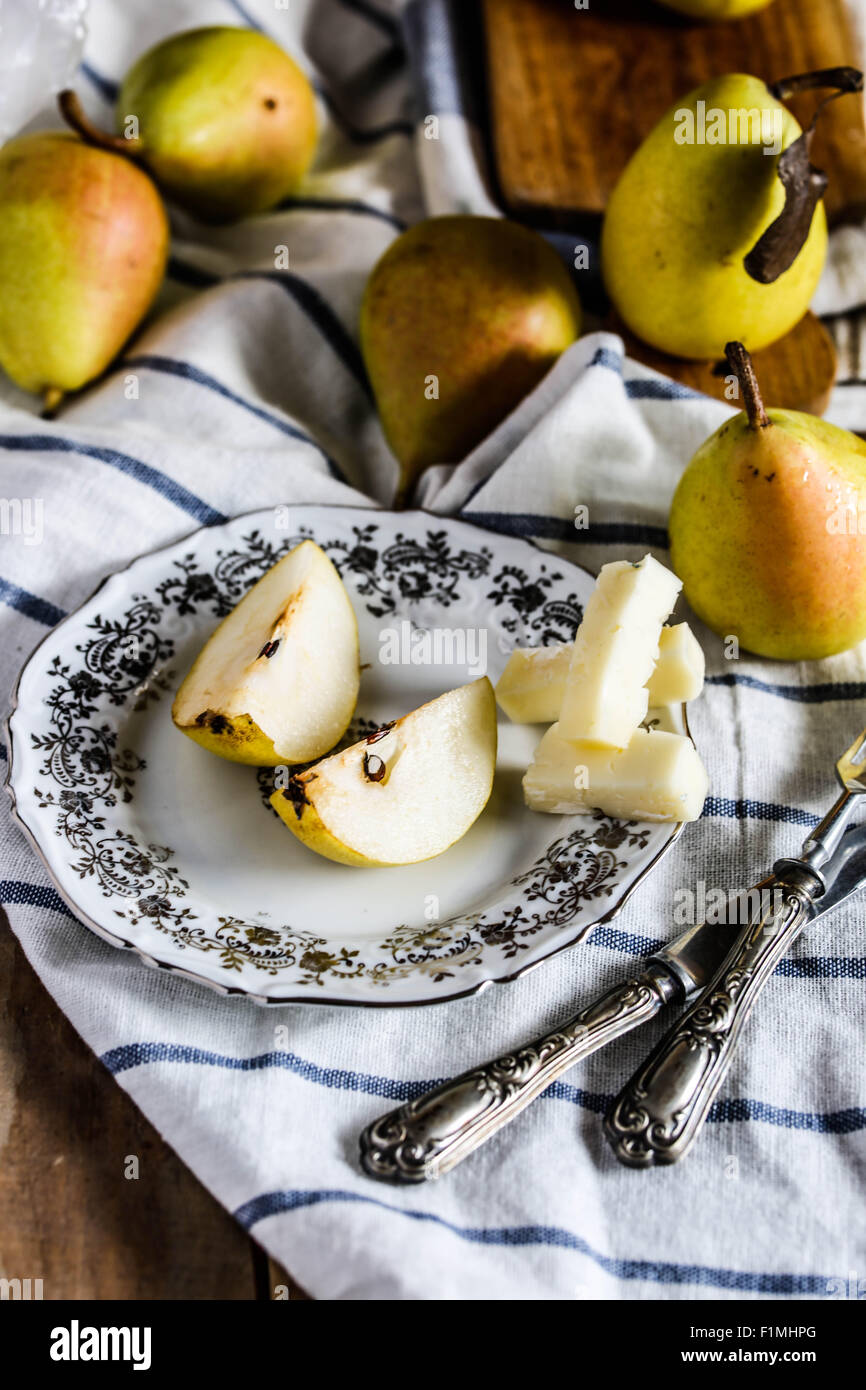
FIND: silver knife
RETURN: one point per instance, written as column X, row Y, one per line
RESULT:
column 429, row 1135
column 661, row 1110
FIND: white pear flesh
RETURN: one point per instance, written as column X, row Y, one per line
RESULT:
column 658, row 777
column 436, row 767
column 531, row 688
column 615, row 651
column 277, row 682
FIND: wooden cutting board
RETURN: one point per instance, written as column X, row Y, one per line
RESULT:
column 795, row 373
column 573, row 91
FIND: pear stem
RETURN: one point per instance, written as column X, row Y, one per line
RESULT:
column 74, row 115
column 51, row 402
column 740, row 364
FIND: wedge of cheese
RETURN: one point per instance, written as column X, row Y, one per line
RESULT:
column 679, row 671
column 615, row 651
column 658, row 777
column 531, row 688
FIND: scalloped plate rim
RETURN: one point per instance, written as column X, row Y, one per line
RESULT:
column 228, row 991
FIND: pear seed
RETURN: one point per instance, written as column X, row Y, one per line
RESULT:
column 374, row 767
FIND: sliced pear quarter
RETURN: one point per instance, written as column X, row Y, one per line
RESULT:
column 404, row 795
column 278, row 680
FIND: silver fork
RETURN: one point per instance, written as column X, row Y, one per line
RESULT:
column 659, row 1113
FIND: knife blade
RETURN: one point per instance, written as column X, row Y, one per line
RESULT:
column 431, row 1133
column 700, row 950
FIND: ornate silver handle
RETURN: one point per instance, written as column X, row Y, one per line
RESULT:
column 659, row 1113
column 430, row 1134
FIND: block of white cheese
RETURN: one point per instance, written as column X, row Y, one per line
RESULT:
column 531, row 687
column 658, row 777
column 615, row 651
column 679, row 671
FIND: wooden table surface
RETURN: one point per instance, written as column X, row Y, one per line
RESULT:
column 68, row 1216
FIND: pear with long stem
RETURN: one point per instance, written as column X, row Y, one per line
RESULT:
column 83, row 245
column 716, row 228
column 768, row 529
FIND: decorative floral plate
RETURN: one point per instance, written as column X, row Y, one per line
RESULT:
column 164, row 849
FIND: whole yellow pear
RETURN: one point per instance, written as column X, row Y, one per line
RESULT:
column 461, row 317
column 83, row 246
column 224, row 119
column 685, row 214
column 768, row 530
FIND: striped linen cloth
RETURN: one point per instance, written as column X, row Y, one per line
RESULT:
column 251, row 393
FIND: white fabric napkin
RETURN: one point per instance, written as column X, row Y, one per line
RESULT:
column 250, row 393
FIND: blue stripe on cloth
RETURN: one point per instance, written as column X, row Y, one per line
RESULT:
column 173, row 367
column 735, row 1110
column 606, row 357
column 823, row 968
column 613, row 939
column 650, row 1271
column 4, row 756
column 350, row 205
column 356, row 133
column 313, row 304
column 14, row 891
column 833, row 1122
column 804, row 968
column 817, row 694
column 243, row 13
column 39, row 609
column 319, row 310
column 757, row 810
column 443, row 61
column 107, row 88
column 556, row 528
column 646, row 390
column 134, row 468
column 129, row 1055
